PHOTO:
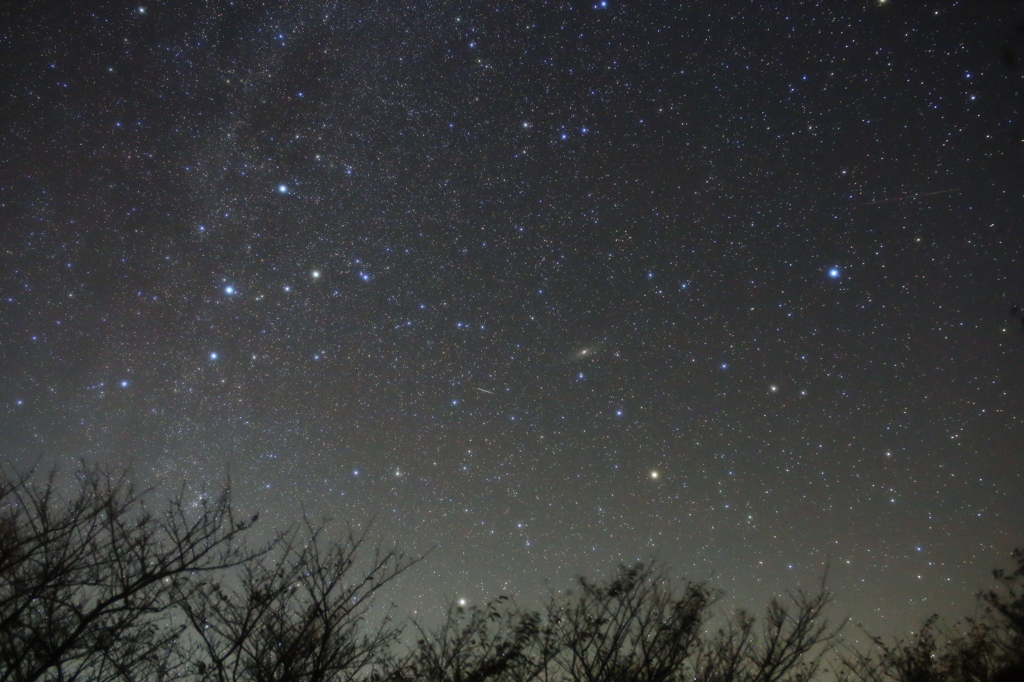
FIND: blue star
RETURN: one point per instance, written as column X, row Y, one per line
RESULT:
column 283, row 189
column 834, row 273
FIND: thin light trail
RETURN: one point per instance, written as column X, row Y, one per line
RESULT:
column 911, row 196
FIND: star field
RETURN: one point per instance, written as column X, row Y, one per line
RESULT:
column 544, row 286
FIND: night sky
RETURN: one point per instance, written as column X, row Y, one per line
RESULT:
column 548, row 286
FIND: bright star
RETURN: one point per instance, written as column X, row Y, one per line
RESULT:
column 834, row 273
column 229, row 290
column 283, row 189
column 655, row 475
column 316, row 274
column 213, row 356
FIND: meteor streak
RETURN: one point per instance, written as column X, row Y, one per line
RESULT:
column 911, row 196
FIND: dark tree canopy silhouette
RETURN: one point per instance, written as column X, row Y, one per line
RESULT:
column 293, row 615
column 94, row 586
column 85, row 585
column 984, row 647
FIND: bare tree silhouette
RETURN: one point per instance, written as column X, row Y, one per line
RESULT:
column 85, row 584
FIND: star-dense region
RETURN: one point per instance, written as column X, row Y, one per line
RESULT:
column 544, row 287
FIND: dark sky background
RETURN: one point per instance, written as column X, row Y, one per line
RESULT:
column 550, row 286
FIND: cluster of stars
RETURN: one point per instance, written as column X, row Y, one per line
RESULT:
column 606, row 284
